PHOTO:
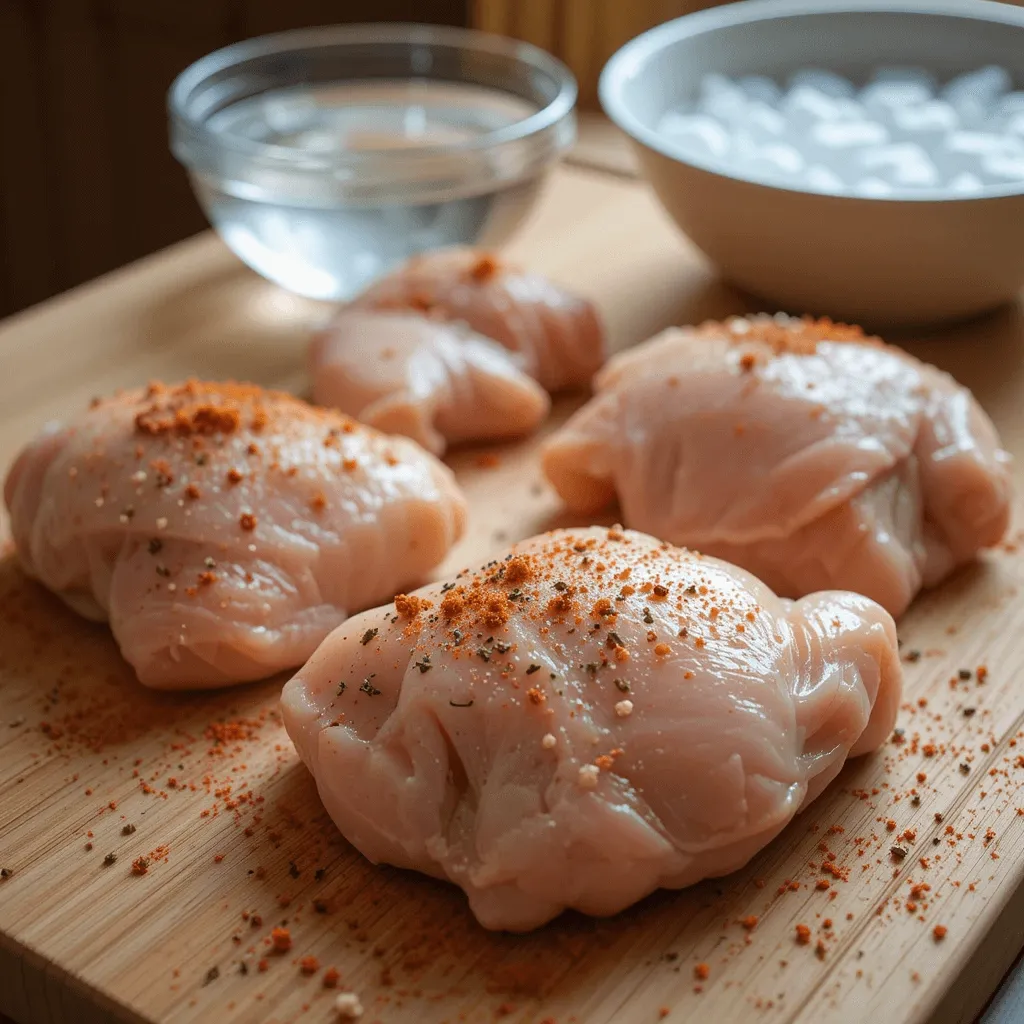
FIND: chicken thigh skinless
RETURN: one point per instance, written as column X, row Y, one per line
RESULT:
column 557, row 334
column 455, row 346
column 437, row 383
column 222, row 529
column 588, row 718
column 799, row 449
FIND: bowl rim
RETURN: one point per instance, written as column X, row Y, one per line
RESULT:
column 627, row 62
column 412, row 33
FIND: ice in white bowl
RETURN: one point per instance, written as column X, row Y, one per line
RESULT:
column 901, row 133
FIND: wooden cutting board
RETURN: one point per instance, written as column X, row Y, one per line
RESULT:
column 208, row 791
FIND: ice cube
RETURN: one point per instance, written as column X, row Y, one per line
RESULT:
column 822, row 179
column 843, row 136
column 965, row 183
column 806, row 106
column 826, row 82
column 907, row 165
column 762, row 122
column 721, row 98
column 1004, row 168
column 983, row 86
column 1009, row 107
column 697, row 134
column 761, row 89
column 974, row 95
column 924, row 121
column 882, row 98
column 977, row 145
column 774, row 162
column 872, row 187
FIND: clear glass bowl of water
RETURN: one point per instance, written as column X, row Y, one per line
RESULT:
column 325, row 157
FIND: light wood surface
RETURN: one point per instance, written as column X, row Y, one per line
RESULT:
column 81, row 942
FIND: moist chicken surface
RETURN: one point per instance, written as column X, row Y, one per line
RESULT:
column 433, row 381
column 557, row 335
column 587, row 718
column 799, row 449
column 222, row 529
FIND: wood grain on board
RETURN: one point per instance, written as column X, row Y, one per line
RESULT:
column 229, row 822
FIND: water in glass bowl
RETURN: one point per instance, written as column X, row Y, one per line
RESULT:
column 317, row 224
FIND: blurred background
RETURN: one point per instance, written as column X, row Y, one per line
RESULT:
column 87, row 183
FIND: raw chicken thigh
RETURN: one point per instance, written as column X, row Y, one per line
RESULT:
column 433, row 381
column 798, row 449
column 592, row 716
column 557, row 335
column 222, row 529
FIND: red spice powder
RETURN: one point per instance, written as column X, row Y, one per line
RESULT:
column 281, row 939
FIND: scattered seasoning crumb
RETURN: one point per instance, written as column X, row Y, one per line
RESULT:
column 624, row 708
column 247, row 521
column 331, row 977
column 281, row 939
column 898, row 852
column 140, row 866
column 548, row 740
column 211, row 975
column 982, row 673
column 749, row 922
column 368, row 636
column 111, row 858
column 939, row 932
column 6, row 873
column 701, row 972
column 309, row 965
column 128, row 829
column 803, row 934
column 588, row 775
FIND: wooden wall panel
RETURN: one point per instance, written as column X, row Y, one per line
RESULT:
column 27, row 263
column 584, row 33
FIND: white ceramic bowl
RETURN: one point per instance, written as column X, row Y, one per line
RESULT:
column 878, row 261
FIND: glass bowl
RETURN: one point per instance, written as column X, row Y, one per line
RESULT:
column 325, row 157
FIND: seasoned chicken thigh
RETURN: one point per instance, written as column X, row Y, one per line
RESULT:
column 433, row 381
column 556, row 334
column 799, row 449
column 587, row 718
column 222, row 529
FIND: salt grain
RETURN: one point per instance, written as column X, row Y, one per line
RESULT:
column 348, row 1007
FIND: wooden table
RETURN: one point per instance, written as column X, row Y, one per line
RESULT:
column 83, row 942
